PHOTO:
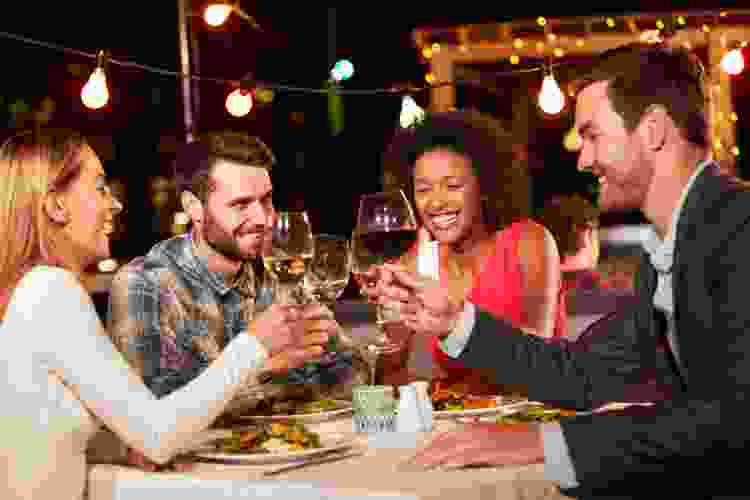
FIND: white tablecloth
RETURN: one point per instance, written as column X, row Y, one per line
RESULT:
column 377, row 473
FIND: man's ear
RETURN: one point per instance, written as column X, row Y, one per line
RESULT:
column 192, row 206
column 654, row 127
column 56, row 209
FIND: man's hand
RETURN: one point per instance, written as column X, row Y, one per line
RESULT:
column 425, row 306
column 485, row 444
column 275, row 327
column 308, row 336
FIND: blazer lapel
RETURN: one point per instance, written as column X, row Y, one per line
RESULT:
column 705, row 191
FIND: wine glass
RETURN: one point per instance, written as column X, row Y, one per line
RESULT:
column 329, row 271
column 386, row 229
column 292, row 250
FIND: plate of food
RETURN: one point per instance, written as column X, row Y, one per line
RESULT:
column 309, row 412
column 455, row 402
column 535, row 413
column 272, row 442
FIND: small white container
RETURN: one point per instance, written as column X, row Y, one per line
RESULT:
column 425, row 405
column 409, row 418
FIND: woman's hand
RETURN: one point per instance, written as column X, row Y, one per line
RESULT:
column 138, row 459
column 424, row 305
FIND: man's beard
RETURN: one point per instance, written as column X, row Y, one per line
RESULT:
column 221, row 241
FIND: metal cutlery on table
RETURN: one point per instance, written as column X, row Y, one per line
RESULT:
column 331, row 456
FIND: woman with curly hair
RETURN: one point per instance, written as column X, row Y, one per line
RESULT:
column 472, row 195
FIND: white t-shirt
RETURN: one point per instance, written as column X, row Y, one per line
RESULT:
column 61, row 379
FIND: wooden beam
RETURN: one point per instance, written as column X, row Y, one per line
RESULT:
column 442, row 98
column 423, row 36
column 720, row 103
column 571, row 45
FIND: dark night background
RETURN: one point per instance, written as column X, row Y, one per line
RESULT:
column 325, row 174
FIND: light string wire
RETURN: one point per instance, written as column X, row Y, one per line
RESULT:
column 397, row 89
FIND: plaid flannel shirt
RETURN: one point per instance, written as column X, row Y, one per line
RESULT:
column 171, row 317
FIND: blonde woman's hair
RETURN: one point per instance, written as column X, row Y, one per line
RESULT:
column 32, row 165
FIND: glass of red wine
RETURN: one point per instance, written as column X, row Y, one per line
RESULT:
column 386, row 229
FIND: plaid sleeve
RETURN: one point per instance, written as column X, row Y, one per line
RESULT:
column 146, row 335
column 133, row 318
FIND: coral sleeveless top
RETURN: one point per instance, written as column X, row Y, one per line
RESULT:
column 498, row 290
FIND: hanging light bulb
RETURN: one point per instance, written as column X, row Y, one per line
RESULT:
column 733, row 63
column 217, row 13
column 239, row 102
column 107, row 265
column 551, row 98
column 343, row 70
column 95, row 93
column 572, row 141
column 411, row 113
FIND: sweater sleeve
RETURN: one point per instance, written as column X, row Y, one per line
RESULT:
column 83, row 354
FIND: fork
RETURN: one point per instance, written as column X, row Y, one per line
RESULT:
column 331, row 456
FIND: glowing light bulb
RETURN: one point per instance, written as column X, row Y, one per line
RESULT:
column 551, row 98
column 733, row 62
column 216, row 14
column 411, row 113
column 239, row 102
column 107, row 265
column 95, row 93
column 343, row 70
column 572, row 141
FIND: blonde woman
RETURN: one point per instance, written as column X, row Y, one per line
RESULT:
column 61, row 379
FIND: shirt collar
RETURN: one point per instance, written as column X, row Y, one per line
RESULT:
column 661, row 252
column 221, row 283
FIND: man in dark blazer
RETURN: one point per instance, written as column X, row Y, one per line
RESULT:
column 641, row 118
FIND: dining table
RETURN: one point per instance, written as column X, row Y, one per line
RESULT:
column 377, row 466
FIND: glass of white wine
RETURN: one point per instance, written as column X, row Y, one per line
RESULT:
column 292, row 251
column 329, row 271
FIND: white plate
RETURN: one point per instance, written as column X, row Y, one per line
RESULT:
column 331, row 442
column 343, row 408
column 501, row 407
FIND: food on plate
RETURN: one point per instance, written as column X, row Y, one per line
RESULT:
column 270, row 438
column 273, row 406
column 536, row 413
column 455, row 397
column 319, row 406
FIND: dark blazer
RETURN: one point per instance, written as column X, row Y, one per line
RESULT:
column 697, row 440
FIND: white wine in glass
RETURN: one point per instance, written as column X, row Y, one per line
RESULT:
column 330, row 269
column 292, row 250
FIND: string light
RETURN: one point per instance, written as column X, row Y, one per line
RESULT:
column 107, row 265
column 94, row 93
column 217, row 13
column 411, row 113
column 572, row 141
column 733, row 63
column 343, row 70
column 551, row 98
column 239, row 102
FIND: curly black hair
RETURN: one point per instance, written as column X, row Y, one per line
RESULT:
column 504, row 183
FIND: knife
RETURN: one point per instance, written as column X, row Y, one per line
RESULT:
column 328, row 457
